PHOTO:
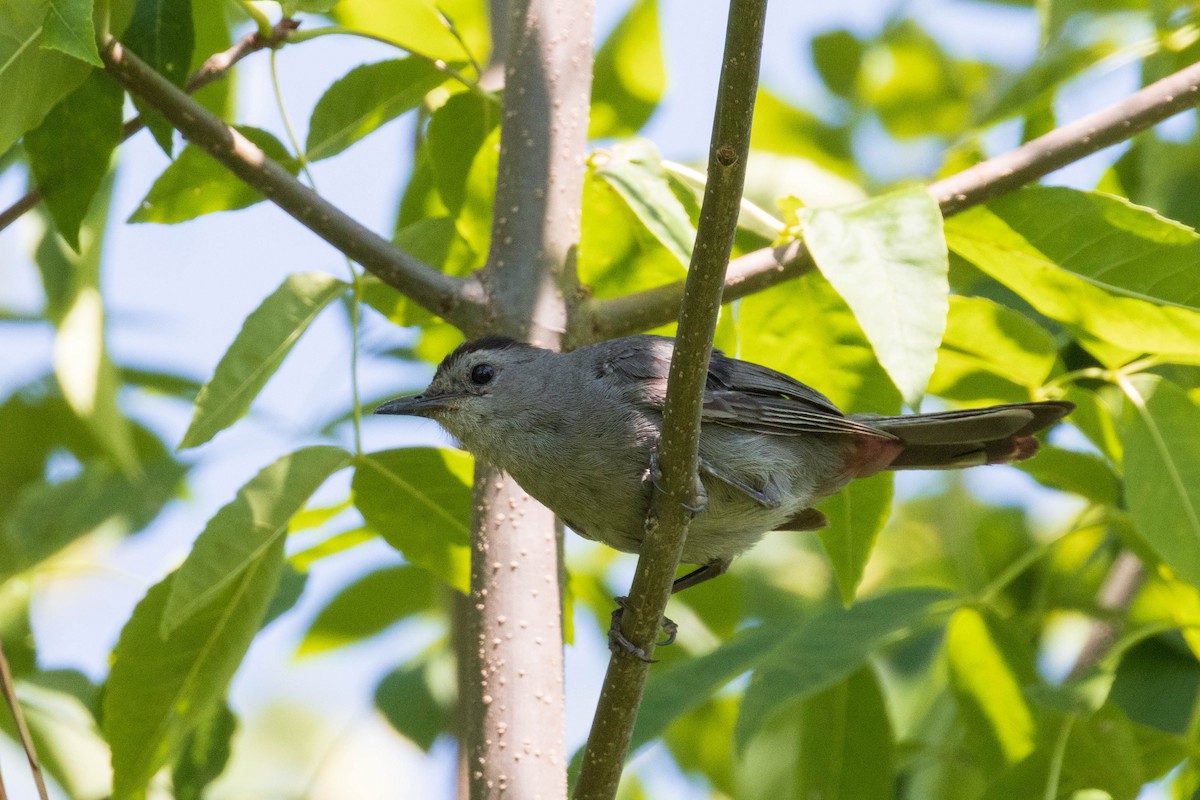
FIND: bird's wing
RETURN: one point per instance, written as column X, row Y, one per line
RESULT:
column 737, row 394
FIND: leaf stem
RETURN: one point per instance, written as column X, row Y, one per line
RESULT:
column 439, row 64
column 356, row 282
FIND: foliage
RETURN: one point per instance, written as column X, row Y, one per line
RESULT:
column 920, row 647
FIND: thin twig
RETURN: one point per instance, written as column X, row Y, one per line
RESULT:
column 214, row 69
column 1125, row 577
column 8, row 689
column 606, row 318
column 446, row 296
column 667, row 522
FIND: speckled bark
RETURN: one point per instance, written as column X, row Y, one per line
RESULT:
column 515, row 742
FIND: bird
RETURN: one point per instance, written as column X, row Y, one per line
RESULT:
column 579, row 431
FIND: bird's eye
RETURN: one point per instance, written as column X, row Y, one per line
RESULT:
column 482, row 373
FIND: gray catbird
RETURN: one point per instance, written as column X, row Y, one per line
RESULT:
column 579, row 432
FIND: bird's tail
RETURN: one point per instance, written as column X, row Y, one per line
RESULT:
column 970, row 437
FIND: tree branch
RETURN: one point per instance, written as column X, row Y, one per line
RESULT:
column 452, row 298
column 515, row 739
column 667, row 522
column 1124, row 580
column 215, row 68
column 761, row 269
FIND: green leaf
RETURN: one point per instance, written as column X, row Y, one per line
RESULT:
column 205, row 754
column 70, row 151
column 1161, row 434
column 887, row 258
column 161, row 34
column 629, row 76
column 991, row 354
column 46, row 518
column 159, row 690
column 68, row 27
column 684, row 685
column 33, row 79
column 423, row 26
column 409, row 703
column 87, row 376
column 838, row 55
column 856, row 516
column 830, row 646
column 419, row 500
column 456, row 133
column 834, row 356
column 635, row 170
column 1108, row 270
column 369, row 605
column 211, row 25
column 617, row 254
column 260, row 347
column 986, row 678
column 338, row 543
column 366, row 98
column 1084, row 474
column 846, row 747
column 196, row 183
column 241, row 531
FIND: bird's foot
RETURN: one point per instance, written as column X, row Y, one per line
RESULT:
column 617, row 641
column 699, row 493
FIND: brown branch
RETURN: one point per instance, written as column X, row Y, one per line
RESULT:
column 761, row 269
column 667, row 522
column 448, row 297
column 8, row 690
column 1125, row 577
column 211, row 71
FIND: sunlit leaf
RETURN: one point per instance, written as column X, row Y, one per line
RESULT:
column 833, row 357
column 235, row 538
column 1161, row 434
column 456, row 133
column 161, row 34
column 211, row 24
column 617, row 253
column 368, row 606
column 635, row 171
column 196, row 183
column 1106, row 269
column 986, row 678
column 88, row 378
column 421, row 25
column 419, row 500
column 991, row 353
column 829, row 646
column 260, row 347
column 68, row 27
column 366, row 98
column 33, row 79
column 69, row 152
column 159, row 689
column 887, row 258
column 629, row 75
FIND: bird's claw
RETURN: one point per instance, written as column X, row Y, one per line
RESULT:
column 654, row 475
column 617, row 641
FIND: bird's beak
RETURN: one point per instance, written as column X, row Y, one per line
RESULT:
column 418, row 405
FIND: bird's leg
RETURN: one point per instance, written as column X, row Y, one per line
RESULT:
column 618, row 641
column 654, row 474
column 762, row 498
column 712, row 569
